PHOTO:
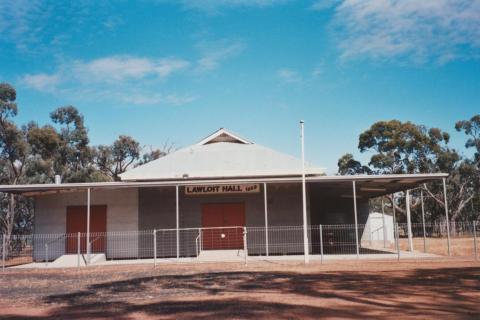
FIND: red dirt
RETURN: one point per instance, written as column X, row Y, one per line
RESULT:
column 354, row 289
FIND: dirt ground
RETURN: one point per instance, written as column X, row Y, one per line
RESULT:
column 460, row 247
column 442, row 289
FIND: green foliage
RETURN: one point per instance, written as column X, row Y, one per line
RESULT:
column 472, row 129
column 115, row 159
column 404, row 147
column 8, row 95
column 347, row 165
column 153, row 154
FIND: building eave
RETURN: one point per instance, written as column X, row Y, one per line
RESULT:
column 399, row 179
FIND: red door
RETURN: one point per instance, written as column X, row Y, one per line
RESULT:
column 77, row 222
column 224, row 224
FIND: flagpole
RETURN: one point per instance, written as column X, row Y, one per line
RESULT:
column 304, row 196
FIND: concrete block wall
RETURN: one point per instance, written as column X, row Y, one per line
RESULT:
column 122, row 215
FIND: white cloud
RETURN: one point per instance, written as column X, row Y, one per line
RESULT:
column 45, row 27
column 120, row 68
column 421, row 31
column 125, row 79
column 41, row 81
column 289, row 75
column 215, row 53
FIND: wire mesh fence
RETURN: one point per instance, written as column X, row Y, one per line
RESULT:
column 458, row 240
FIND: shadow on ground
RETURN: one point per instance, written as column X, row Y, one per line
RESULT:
column 281, row 295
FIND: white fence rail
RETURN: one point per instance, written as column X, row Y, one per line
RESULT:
column 282, row 240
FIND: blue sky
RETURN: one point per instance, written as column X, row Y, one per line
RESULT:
column 174, row 71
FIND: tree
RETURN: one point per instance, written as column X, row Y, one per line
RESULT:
column 44, row 144
column 404, row 147
column 347, row 165
column 472, row 129
column 74, row 157
column 115, row 159
column 14, row 151
column 152, row 154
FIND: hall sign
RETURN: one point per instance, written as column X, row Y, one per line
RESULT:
column 222, row 189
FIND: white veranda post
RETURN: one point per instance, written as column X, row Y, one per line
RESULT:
column 177, row 221
column 356, row 217
column 409, row 221
column 304, row 197
column 446, row 214
column 383, row 225
column 88, row 226
column 265, row 199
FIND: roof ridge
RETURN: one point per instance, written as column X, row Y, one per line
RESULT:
column 210, row 138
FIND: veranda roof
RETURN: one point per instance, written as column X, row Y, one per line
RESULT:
column 367, row 185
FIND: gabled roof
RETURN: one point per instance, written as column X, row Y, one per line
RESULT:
column 220, row 155
column 223, row 135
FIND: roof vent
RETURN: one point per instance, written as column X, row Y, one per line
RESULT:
column 58, row 179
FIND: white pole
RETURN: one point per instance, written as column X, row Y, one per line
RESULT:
column 78, row 250
column 423, row 223
column 321, row 244
column 304, row 196
column 475, row 239
column 397, row 242
column 154, row 248
column 245, row 245
column 177, row 222
column 3, row 252
column 266, row 217
column 446, row 214
column 393, row 208
column 383, row 225
column 409, row 222
column 88, row 226
column 356, row 219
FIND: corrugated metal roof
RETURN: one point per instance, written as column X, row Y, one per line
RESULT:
column 220, row 160
column 396, row 182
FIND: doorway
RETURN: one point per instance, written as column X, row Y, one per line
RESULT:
column 223, row 226
column 77, row 222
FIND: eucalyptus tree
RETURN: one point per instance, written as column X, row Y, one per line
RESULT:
column 404, row 147
column 117, row 158
column 14, row 151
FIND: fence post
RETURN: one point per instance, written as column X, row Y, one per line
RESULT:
column 4, row 244
column 46, row 254
column 245, row 249
column 154, row 248
column 78, row 250
column 321, row 245
column 475, row 239
column 397, row 236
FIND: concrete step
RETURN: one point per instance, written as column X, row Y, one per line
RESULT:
column 71, row 260
column 222, row 255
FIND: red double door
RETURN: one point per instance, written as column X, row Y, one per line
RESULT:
column 77, row 222
column 223, row 225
